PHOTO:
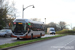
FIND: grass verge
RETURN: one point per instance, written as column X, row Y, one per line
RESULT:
column 28, row 41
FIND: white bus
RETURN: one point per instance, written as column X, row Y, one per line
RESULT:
column 25, row 28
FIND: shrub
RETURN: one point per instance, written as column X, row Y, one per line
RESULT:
column 72, row 32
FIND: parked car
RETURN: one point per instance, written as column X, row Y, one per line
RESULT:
column 5, row 32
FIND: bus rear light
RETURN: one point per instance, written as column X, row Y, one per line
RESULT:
column 14, row 22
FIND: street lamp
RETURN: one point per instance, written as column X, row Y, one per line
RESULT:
column 45, row 20
column 24, row 9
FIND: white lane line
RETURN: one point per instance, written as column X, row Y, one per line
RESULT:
column 69, row 42
column 58, row 49
column 66, row 44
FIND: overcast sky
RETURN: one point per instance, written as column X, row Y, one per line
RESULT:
column 52, row 10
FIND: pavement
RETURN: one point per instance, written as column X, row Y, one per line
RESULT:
column 61, row 43
column 47, row 35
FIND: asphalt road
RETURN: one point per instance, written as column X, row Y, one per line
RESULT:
column 11, row 40
column 62, row 43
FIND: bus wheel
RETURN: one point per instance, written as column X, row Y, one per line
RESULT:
column 40, row 35
column 18, row 38
column 31, row 36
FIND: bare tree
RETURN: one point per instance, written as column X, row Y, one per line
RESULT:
column 62, row 25
column 12, row 10
column 58, row 27
column 73, row 28
column 52, row 24
column 1, row 3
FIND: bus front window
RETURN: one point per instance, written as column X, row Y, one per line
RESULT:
column 19, row 28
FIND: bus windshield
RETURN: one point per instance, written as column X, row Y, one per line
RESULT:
column 19, row 27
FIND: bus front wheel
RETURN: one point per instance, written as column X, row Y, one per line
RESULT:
column 18, row 38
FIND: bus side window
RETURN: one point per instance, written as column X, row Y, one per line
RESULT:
column 25, row 28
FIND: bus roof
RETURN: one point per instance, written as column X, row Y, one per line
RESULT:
column 27, row 21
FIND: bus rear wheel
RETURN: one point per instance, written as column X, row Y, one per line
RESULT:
column 31, row 36
column 40, row 35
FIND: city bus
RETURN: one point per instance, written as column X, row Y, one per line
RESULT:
column 25, row 28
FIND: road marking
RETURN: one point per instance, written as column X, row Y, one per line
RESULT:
column 58, row 49
column 66, row 44
column 69, row 43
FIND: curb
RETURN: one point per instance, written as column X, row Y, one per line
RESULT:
column 28, row 43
